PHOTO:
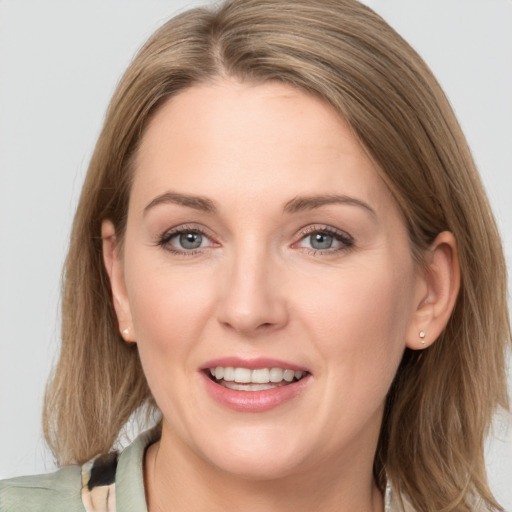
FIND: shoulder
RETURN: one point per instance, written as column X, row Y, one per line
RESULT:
column 59, row 491
column 106, row 483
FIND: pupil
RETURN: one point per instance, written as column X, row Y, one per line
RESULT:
column 191, row 240
column 321, row 241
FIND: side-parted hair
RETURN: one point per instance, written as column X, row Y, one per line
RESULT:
column 441, row 403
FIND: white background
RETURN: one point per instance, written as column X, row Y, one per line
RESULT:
column 59, row 63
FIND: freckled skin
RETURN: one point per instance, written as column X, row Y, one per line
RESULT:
column 256, row 288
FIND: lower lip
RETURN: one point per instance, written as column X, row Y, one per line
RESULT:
column 254, row 401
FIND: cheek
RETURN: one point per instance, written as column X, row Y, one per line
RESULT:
column 169, row 308
column 163, row 295
column 361, row 317
column 169, row 311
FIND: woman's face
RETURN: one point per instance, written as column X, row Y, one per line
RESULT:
column 261, row 239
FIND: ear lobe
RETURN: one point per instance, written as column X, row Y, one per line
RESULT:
column 114, row 268
column 441, row 287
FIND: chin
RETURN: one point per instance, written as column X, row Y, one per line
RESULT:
column 256, row 455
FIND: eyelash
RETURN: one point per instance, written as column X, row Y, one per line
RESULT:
column 165, row 238
column 346, row 241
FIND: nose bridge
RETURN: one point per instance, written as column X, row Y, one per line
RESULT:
column 252, row 299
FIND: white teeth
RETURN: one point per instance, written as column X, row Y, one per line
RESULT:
column 260, row 376
column 288, row 375
column 242, row 375
column 247, row 387
column 229, row 374
column 276, row 375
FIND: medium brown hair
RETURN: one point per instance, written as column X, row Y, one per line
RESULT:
column 440, row 406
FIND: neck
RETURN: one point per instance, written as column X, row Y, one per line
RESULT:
column 179, row 480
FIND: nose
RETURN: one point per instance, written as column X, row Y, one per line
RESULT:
column 252, row 299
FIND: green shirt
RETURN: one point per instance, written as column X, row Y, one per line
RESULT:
column 67, row 489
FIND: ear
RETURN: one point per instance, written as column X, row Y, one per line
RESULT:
column 114, row 267
column 439, row 290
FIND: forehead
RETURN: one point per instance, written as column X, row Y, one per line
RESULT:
column 252, row 141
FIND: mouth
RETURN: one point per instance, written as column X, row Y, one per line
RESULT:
column 258, row 379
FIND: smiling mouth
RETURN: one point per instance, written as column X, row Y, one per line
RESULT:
column 260, row 379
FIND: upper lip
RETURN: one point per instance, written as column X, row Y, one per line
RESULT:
column 252, row 363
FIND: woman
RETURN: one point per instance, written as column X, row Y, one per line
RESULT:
column 283, row 247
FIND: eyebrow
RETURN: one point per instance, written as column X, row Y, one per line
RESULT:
column 300, row 204
column 297, row 204
column 196, row 202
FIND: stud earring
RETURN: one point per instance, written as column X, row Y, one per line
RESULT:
column 422, row 337
column 125, row 333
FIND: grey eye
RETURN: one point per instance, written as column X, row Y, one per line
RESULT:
column 321, row 241
column 190, row 240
